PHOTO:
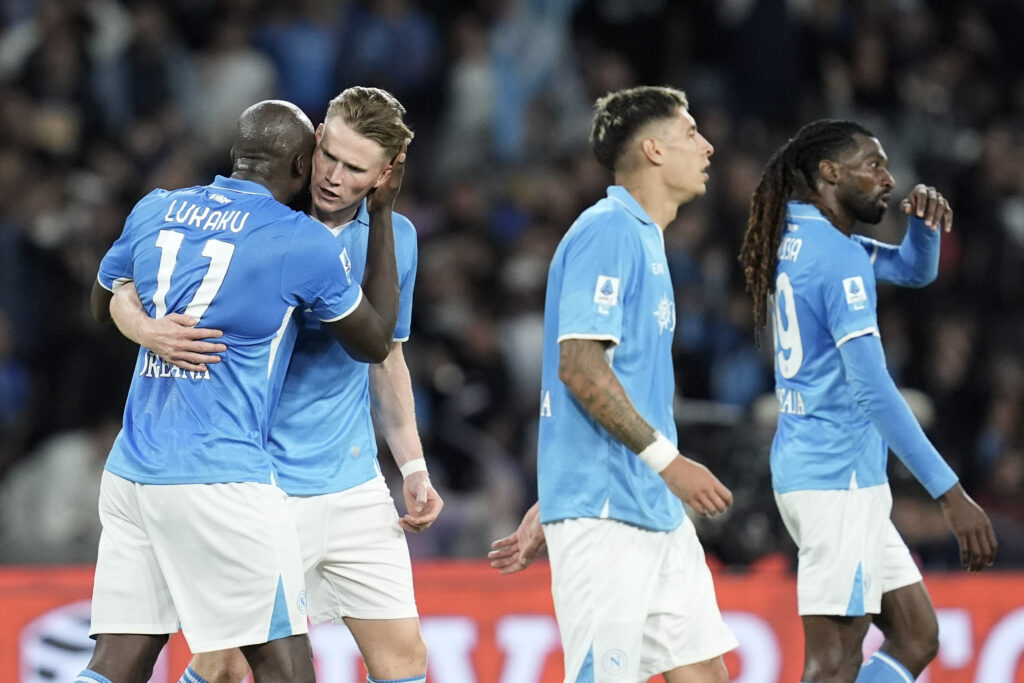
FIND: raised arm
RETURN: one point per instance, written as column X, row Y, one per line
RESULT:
column 915, row 261
column 585, row 371
column 366, row 333
column 877, row 395
column 391, row 402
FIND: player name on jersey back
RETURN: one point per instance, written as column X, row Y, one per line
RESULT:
column 188, row 214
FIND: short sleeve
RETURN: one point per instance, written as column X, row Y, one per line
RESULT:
column 407, row 253
column 317, row 272
column 848, row 289
column 597, row 272
column 117, row 267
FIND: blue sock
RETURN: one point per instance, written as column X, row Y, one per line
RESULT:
column 882, row 668
column 190, row 676
column 414, row 679
column 89, row 676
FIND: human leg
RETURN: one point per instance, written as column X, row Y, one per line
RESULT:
column 392, row 649
column 911, row 631
column 684, row 633
column 284, row 660
column 125, row 658
column 221, row 666
column 709, row 671
column 832, row 647
column 358, row 571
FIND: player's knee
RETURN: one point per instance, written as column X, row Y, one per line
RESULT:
column 832, row 665
column 919, row 648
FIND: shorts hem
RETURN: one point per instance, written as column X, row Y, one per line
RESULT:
column 131, row 629
column 383, row 614
column 902, row 583
column 836, row 610
column 688, row 658
column 236, row 642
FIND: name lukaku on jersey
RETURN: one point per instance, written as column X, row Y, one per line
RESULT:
column 155, row 366
column 188, row 214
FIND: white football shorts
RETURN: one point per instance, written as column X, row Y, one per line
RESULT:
column 220, row 559
column 849, row 551
column 354, row 554
column 632, row 603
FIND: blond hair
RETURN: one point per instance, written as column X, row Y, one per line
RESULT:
column 373, row 113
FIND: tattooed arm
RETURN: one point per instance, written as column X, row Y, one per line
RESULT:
column 585, row 371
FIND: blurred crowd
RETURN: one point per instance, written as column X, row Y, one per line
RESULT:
column 101, row 101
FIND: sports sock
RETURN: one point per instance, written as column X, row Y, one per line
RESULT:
column 882, row 668
column 414, row 679
column 190, row 676
column 89, row 676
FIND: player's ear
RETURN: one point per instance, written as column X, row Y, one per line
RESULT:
column 651, row 149
column 829, row 171
column 300, row 166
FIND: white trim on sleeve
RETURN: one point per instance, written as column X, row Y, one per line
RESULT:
column 349, row 311
column 858, row 333
column 595, row 337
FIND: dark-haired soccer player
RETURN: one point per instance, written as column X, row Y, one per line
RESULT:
column 838, row 407
column 633, row 594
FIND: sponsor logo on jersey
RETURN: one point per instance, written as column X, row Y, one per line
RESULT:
column 666, row 314
column 856, row 295
column 607, row 291
column 657, row 268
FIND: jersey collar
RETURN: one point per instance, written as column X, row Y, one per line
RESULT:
column 805, row 211
column 622, row 196
column 243, row 186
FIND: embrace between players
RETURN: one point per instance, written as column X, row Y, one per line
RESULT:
column 290, row 331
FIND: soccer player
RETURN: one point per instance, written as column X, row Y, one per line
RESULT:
column 838, row 406
column 632, row 592
column 194, row 530
column 322, row 440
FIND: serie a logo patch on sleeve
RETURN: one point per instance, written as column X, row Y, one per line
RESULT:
column 607, row 291
column 856, row 295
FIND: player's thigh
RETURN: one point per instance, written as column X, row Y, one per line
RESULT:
column 841, row 536
column 284, row 660
column 684, row 628
column 603, row 576
column 907, row 614
column 231, row 560
column 221, row 666
column 130, row 594
column 709, row 671
column 126, row 658
column 391, row 648
column 356, row 555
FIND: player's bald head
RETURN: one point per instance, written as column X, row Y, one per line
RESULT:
column 274, row 146
column 272, row 131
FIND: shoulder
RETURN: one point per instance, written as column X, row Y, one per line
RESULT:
column 606, row 222
column 405, row 231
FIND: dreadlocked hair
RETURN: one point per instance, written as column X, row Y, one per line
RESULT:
column 791, row 173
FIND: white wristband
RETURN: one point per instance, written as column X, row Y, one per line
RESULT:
column 659, row 454
column 417, row 465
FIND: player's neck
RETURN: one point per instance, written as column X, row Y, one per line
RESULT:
column 335, row 219
column 652, row 197
column 839, row 218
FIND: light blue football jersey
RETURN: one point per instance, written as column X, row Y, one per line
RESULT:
column 824, row 296
column 608, row 280
column 321, row 435
column 241, row 262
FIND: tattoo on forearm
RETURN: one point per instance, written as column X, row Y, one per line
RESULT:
column 591, row 380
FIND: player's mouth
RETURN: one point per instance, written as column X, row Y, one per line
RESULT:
column 327, row 194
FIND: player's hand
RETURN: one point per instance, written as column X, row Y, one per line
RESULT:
column 927, row 203
column 177, row 340
column 972, row 529
column 514, row 553
column 421, row 501
column 694, row 484
column 382, row 197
